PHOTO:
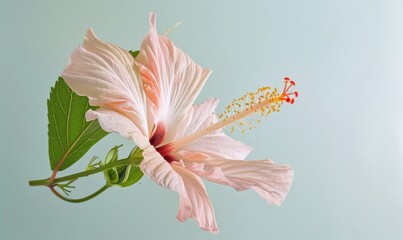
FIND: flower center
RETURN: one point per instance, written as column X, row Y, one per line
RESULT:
column 158, row 135
column 157, row 138
column 166, row 151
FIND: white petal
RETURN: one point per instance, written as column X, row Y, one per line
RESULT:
column 269, row 180
column 172, row 81
column 104, row 73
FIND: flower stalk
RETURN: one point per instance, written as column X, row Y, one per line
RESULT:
column 78, row 200
column 122, row 162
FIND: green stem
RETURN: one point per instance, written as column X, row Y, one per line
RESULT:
column 123, row 162
column 78, row 200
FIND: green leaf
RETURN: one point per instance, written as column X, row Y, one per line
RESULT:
column 134, row 53
column 70, row 135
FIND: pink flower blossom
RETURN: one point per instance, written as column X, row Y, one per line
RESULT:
column 150, row 100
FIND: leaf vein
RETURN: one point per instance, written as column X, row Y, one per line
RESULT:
column 87, row 140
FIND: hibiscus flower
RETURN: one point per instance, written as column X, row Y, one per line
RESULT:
column 150, row 99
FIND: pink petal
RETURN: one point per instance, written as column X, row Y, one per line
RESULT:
column 214, row 145
column 194, row 202
column 202, row 116
column 172, row 81
column 112, row 121
column 104, row 73
column 160, row 171
column 269, row 180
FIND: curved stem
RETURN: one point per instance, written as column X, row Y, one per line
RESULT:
column 78, row 200
column 126, row 161
column 55, row 170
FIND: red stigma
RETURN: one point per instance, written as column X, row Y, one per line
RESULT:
column 286, row 95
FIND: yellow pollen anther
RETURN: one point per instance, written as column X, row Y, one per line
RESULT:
column 263, row 101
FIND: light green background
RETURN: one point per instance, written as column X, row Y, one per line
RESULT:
column 344, row 135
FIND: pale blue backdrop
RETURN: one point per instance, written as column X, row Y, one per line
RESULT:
column 343, row 136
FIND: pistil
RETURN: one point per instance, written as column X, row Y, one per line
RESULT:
column 262, row 102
